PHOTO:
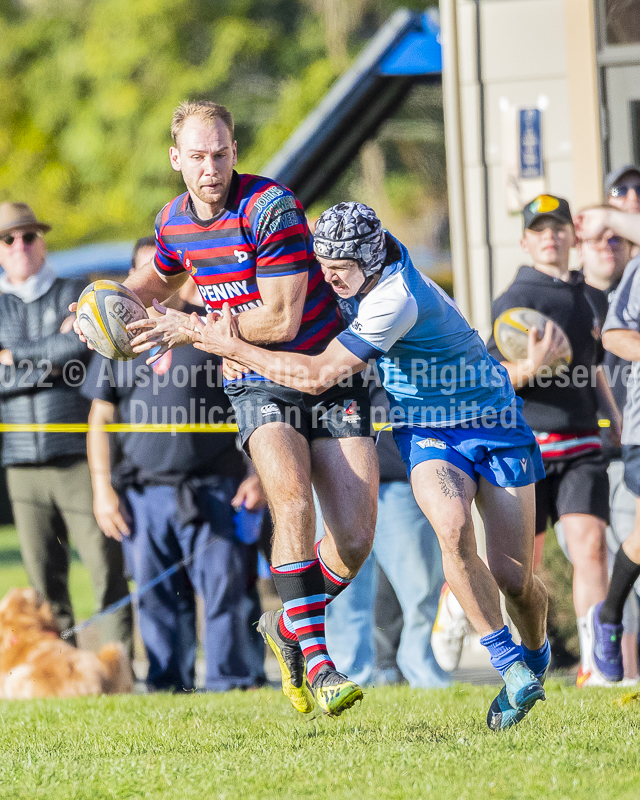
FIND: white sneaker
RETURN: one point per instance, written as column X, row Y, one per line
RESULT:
column 591, row 677
column 449, row 630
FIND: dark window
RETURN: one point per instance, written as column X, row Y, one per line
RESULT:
column 622, row 19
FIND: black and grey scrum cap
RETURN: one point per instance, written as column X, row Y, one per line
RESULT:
column 351, row 231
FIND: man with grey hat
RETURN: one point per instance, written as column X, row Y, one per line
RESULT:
column 42, row 365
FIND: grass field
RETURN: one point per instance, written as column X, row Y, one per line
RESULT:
column 398, row 745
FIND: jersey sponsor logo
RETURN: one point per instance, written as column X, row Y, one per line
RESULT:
column 283, row 212
column 271, row 408
column 266, row 197
column 286, row 220
column 215, row 292
column 425, row 443
column 241, row 255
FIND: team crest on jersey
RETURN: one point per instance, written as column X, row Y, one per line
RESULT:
column 190, row 266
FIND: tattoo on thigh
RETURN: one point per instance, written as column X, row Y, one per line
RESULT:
column 451, row 483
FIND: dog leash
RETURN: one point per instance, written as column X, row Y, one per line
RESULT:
column 241, row 522
column 131, row 597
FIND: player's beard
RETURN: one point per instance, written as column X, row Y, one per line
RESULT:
column 216, row 198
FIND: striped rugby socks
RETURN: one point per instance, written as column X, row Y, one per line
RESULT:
column 301, row 586
column 333, row 583
column 333, row 586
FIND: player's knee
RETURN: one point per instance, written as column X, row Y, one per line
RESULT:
column 593, row 546
column 455, row 534
column 515, row 585
column 353, row 550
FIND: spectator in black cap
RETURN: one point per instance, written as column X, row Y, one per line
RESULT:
column 560, row 408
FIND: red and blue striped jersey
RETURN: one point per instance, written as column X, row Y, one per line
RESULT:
column 261, row 232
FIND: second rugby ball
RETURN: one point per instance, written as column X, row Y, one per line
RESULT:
column 511, row 332
column 105, row 308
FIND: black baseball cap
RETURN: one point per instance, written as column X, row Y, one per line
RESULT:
column 546, row 205
column 613, row 178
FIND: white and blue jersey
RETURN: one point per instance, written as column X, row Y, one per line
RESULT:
column 445, row 391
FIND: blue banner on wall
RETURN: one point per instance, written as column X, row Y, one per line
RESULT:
column 531, row 165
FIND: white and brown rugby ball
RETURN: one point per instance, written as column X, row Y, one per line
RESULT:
column 511, row 332
column 105, row 308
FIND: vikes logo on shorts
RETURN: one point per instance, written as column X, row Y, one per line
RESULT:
column 271, row 408
column 424, row 443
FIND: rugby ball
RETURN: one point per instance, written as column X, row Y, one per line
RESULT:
column 511, row 332
column 105, row 308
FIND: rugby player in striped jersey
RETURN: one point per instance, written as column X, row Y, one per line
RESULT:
column 245, row 241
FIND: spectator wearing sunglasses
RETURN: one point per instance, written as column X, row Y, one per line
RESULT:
column 604, row 259
column 622, row 189
column 620, row 212
column 41, row 366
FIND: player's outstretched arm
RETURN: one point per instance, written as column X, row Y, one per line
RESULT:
column 278, row 318
column 311, row 374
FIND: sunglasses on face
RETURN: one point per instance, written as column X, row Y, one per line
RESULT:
column 28, row 238
column 623, row 189
column 614, row 242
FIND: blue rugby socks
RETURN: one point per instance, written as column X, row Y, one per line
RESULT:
column 504, row 652
column 538, row 660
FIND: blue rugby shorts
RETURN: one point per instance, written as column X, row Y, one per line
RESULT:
column 506, row 455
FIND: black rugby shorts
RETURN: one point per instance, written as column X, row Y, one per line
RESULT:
column 335, row 414
column 573, row 486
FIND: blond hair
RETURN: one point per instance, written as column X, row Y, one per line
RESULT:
column 204, row 110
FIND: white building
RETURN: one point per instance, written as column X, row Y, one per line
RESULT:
column 540, row 96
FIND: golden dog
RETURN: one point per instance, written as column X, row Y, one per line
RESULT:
column 36, row 662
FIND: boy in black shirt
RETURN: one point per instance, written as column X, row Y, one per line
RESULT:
column 562, row 408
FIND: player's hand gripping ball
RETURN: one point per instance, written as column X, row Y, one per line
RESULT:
column 105, row 308
column 511, row 332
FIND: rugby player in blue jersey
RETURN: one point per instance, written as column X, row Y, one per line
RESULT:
column 457, row 423
column 244, row 238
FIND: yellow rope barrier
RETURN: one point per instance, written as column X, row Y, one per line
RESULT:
column 125, row 427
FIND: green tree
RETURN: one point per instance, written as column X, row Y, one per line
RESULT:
column 87, row 90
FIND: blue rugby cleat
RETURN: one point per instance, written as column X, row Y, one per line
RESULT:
column 521, row 690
